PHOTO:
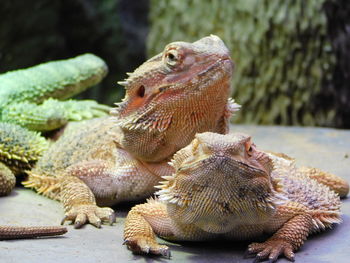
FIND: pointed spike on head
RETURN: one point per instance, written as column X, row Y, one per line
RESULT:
column 123, row 83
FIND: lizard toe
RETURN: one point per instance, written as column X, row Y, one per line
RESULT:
column 80, row 220
column 83, row 214
column 94, row 219
column 160, row 250
column 288, row 253
column 248, row 254
column 263, row 254
column 144, row 245
column 106, row 214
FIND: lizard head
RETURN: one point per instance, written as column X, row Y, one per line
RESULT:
column 183, row 90
column 181, row 70
column 219, row 182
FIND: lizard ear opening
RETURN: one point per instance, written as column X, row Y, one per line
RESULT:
column 141, row 91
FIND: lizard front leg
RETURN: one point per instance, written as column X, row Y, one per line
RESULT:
column 107, row 183
column 285, row 241
column 80, row 204
column 143, row 223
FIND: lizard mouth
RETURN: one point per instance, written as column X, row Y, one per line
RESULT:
column 225, row 63
column 219, row 71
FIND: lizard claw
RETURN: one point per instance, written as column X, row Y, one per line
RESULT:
column 248, row 254
column 82, row 214
column 271, row 250
column 146, row 246
column 64, row 219
column 165, row 252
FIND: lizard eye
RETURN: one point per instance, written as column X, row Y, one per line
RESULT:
column 171, row 57
column 141, row 91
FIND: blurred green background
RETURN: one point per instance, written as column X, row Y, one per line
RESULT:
column 292, row 57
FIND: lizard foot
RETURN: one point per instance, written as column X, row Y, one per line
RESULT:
column 81, row 214
column 146, row 245
column 270, row 250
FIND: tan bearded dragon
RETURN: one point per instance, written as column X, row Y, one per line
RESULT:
column 225, row 188
column 171, row 97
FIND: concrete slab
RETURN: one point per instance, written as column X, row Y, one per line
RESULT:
column 328, row 149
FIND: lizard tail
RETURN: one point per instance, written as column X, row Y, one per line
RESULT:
column 46, row 185
column 11, row 232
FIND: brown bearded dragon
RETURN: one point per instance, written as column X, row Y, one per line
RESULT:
column 171, row 97
column 225, row 188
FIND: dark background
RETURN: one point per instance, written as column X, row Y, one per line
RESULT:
column 32, row 32
column 292, row 57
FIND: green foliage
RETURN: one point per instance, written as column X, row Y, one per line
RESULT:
column 37, row 31
column 280, row 49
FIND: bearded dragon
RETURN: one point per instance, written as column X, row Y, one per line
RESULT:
column 171, row 97
column 223, row 187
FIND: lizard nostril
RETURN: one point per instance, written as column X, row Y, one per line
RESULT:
column 141, row 91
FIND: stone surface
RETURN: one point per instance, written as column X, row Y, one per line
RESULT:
column 328, row 149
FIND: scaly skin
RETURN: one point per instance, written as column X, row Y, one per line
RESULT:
column 7, row 180
column 24, row 93
column 10, row 232
column 224, row 188
column 28, row 97
column 19, row 150
column 171, row 97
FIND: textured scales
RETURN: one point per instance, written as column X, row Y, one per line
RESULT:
column 7, row 180
column 24, row 93
column 10, row 232
column 19, row 150
column 172, row 96
column 224, row 188
column 29, row 98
